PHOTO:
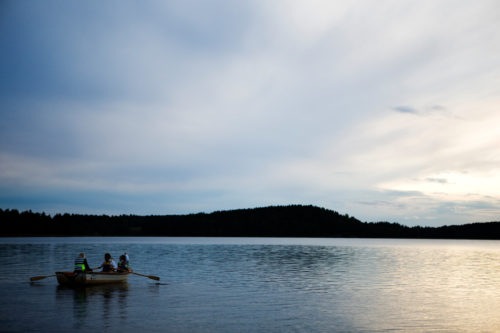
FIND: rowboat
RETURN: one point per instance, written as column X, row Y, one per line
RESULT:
column 91, row 278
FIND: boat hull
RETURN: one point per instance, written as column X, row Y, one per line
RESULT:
column 90, row 278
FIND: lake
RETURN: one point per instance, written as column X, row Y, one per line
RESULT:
column 256, row 285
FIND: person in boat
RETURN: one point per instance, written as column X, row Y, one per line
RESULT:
column 109, row 265
column 81, row 264
column 123, row 264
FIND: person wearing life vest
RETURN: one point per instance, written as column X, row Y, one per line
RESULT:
column 81, row 264
column 109, row 265
column 123, row 264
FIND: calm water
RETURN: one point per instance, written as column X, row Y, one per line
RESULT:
column 257, row 285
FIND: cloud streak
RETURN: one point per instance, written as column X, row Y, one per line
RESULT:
column 405, row 109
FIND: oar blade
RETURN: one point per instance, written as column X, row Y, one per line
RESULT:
column 36, row 278
column 148, row 276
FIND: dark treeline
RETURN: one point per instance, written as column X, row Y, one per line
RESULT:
column 275, row 221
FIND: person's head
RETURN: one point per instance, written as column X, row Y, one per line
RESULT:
column 107, row 256
column 81, row 255
column 123, row 258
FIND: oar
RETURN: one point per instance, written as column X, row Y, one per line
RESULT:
column 148, row 276
column 36, row 278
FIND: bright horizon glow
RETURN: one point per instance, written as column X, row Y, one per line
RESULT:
column 386, row 111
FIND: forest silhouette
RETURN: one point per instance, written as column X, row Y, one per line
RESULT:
column 273, row 221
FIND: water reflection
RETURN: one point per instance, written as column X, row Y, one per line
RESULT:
column 105, row 303
column 404, row 286
column 311, row 258
column 303, row 267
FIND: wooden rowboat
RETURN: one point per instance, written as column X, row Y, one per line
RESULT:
column 90, row 278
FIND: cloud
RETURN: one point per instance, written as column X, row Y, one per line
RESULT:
column 437, row 180
column 189, row 106
column 405, row 109
column 424, row 111
column 437, row 108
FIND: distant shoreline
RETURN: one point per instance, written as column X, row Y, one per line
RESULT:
column 273, row 221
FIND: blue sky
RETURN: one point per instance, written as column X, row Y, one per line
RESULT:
column 384, row 110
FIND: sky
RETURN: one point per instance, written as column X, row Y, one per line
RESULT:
column 383, row 110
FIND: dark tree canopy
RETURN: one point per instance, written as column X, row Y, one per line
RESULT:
column 274, row 221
